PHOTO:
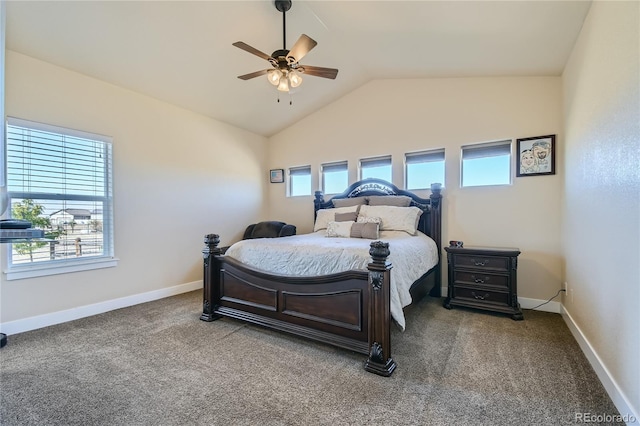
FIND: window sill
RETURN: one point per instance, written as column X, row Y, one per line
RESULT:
column 32, row 271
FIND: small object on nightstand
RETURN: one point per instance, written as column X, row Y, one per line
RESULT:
column 483, row 278
column 456, row 243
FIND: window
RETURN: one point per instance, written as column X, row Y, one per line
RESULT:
column 299, row 181
column 486, row 164
column 424, row 168
column 335, row 177
column 379, row 167
column 60, row 181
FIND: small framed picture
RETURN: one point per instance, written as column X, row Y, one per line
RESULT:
column 277, row 175
column 536, row 156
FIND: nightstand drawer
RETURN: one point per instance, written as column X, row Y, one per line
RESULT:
column 481, row 262
column 480, row 278
column 481, row 295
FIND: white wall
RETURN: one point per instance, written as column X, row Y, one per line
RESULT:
column 601, row 214
column 177, row 176
column 397, row 116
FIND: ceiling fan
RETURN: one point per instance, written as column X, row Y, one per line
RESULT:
column 286, row 71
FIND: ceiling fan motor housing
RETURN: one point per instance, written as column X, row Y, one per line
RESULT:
column 283, row 5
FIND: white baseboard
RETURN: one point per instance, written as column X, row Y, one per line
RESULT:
column 526, row 303
column 629, row 413
column 45, row 320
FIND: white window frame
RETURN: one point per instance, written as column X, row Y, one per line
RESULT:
column 337, row 166
column 427, row 156
column 298, row 171
column 485, row 150
column 59, row 266
column 383, row 160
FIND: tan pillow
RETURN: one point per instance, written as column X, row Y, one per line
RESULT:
column 324, row 216
column 348, row 202
column 390, row 200
column 364, row 230
column 346, row 217
column 366, row 219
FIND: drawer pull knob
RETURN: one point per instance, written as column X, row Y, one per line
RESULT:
column 479, row 296
column 479, row 280
column 480, row 262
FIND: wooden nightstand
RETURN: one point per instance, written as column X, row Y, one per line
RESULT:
column 484, row 278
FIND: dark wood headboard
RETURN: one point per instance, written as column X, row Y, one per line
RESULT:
column 430, row 221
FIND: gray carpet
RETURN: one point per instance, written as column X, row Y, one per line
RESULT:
column 158, row 364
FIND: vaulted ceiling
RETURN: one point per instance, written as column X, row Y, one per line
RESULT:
column 181, row 51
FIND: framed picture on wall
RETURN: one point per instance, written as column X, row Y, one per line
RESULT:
column 277, row 175
column 536, row 156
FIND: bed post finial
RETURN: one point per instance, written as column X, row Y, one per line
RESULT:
column 379, row 361
column 318, row 200
column 436, row 194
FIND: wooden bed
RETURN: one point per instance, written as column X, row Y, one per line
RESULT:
column 348, row 309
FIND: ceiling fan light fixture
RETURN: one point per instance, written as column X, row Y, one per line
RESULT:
column 283, row 86
column 295, row 79
column 274, row 76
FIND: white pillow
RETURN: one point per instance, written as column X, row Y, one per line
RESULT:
column 324, row 216
column 339, row 229
column 393, row 218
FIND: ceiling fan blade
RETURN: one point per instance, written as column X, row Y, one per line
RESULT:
column 320, row 71
column 301, row 48
column 253, row 75
column 244, row 46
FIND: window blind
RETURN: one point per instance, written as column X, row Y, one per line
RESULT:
column 376, row 162
column 424, row 156
column 493, row 149
column 300, row 171
column 60, row 180
column 335, row 167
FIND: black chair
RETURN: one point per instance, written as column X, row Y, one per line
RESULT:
column 269, row 229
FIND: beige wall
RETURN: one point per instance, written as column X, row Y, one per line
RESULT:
column 397, row 116
column 601, row 214
column 177, row 177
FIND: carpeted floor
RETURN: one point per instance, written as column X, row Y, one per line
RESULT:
column 158, row 364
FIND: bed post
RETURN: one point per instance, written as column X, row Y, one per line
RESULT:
column 379, row 361
column 317, row 202
column 436, row 230
column 211, row 277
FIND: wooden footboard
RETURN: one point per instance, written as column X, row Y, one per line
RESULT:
column 350, row 309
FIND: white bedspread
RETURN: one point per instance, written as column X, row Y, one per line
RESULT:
column 315, row 254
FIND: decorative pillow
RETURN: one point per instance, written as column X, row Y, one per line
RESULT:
column 348, row 202
column 324, row 216
column 346, row 217
column 393, row 218
column 390, row 200
column 365, row 219
column 364, row 230
column 339, row 229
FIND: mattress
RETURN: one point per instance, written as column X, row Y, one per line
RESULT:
column 316, row 254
